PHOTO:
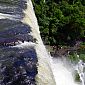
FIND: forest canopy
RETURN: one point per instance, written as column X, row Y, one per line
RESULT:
column 61, row 22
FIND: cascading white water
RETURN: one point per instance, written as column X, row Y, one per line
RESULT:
column 80, row 70
column 62, row 71
column 45, row 75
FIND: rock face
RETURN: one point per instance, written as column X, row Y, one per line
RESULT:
column 21, row 59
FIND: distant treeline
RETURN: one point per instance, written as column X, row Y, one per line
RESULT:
column 61, row 22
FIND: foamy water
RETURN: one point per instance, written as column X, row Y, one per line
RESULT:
column 25, row 44
column 80, row 70
column 45, row 75
column 11, row 17
column 62, row 72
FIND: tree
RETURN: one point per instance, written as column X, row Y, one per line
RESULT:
column 60, row 19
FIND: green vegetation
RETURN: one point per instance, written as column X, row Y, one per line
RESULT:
column 62, row 22
column 77, row 78
column 73, row 56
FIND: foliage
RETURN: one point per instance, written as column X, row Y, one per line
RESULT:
column 60, row 21
column 77, row 78
column 73, row 57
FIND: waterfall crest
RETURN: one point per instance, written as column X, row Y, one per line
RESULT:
column 45, row 75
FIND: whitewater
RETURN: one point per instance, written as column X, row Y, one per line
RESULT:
column 62, row 71
column 51, row 71
column 45, row 75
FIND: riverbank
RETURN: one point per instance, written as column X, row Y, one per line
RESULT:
column 65, row 50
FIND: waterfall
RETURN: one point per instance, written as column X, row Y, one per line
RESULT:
column 80, row 70
column 62, row 71
column 23, row 57
column 45, row 76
